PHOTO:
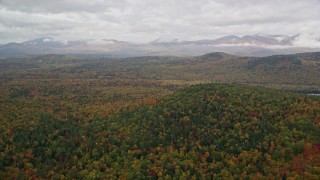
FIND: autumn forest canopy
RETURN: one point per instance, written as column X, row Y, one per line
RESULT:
column 211, row 116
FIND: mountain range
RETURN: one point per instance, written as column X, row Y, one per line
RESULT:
column 248, row 45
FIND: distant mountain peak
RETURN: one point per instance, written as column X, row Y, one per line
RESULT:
column 44, row 42
column 229, row 37
column 164, row 40
column 39, row 40
column 101, row 41
column 247, row 45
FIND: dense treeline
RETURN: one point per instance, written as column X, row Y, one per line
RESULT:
column 209, row 130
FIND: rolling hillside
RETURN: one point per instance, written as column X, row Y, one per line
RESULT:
column 71, row 117
column 208, row 130
column 299, row 72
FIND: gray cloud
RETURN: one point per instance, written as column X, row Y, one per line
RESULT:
column 141, row 20
column 58, row 6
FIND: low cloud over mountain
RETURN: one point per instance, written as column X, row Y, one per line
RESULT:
column 248, row 45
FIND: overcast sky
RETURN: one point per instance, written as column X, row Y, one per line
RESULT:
column 145, row 20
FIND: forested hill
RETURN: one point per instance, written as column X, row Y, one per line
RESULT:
column 206, row 130
column 295, row 72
